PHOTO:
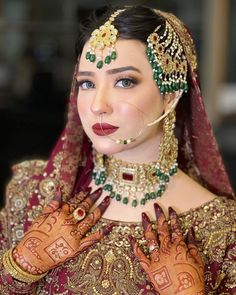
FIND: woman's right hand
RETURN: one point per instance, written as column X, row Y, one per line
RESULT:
column 55, row 236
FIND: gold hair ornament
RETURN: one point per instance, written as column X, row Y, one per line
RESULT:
column 167, row 58
column 105, row 36
column 184, row 36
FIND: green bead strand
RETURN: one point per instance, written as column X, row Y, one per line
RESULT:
column 125, row 200
column 118, row 197
column 113, row 55
column 134, row 203
column 108, row 59
column 100, row 64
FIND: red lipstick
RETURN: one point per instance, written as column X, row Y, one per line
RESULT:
column 103, row 129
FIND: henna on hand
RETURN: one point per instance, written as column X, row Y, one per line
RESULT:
column 174, row 267
column 55, row 236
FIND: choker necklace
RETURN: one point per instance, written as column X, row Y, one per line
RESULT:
column 123, row 181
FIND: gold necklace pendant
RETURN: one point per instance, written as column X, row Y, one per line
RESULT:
column 125, row 181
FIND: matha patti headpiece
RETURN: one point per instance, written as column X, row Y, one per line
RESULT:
column 167, row 58
column 105, row 36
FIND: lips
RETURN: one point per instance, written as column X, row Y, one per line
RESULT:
column 104, row 129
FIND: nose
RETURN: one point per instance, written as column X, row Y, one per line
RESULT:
column 101, row 102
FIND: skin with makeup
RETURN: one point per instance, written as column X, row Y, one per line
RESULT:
column 126, row 97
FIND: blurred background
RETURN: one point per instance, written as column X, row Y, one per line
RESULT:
column 36, row 63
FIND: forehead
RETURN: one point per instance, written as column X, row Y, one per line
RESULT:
column 129, row 52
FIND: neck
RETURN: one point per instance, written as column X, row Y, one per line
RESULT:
column 125, row 180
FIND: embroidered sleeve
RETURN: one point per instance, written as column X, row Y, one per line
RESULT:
column 222, row 275
column 8, row 285
column 11, row 225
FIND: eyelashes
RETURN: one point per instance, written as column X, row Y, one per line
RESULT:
column 86, row 84
column 125, row 82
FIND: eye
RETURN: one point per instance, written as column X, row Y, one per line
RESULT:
column 125, row 83
column 85, row 85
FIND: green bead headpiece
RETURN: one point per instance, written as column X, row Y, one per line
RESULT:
column 167, row 58
column 105, row 36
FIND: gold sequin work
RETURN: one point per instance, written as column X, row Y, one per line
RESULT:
column 109, row 267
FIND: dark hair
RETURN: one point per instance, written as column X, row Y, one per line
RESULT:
column 135, row 22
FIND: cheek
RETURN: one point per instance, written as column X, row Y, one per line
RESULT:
column 82, row 107
column 150, row 105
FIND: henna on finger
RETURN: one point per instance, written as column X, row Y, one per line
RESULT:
column 162, row 230
column 78, row 212
column 176, row 232
column 95, row 237
column 79, row 197
column 85, row 225
column 176, row 271
column 193, row 249
column 54, row 204
column 90, row 200
column 151, row 237
column 143, row 260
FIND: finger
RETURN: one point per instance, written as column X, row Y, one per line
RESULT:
column 54, row 204
column 85, row 225
column 193, row 249
column 143, row 260
column 79, row 197
column 72, row 204
column 90, row 200
column 151, row 238
column 176, row 231
column 95, row 237
column 162, row 229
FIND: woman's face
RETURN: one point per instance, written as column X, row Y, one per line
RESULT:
column 122, row 94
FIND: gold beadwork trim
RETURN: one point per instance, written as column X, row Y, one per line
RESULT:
column 184, row 36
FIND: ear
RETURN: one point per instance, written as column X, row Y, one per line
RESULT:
column 171, row 100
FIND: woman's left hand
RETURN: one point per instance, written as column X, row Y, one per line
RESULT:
column 174, row 267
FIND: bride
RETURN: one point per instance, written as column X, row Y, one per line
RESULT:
column 134, row 198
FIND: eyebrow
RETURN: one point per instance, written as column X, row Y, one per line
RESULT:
column 111, row 72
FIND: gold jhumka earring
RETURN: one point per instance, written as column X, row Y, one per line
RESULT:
column 124, row 181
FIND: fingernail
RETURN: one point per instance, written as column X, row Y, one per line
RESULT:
column 172, row 212
column 191, row 236
column 158, row 210
column 103, row 206
column 95, row 195
column 98, row 191
column 145, row 220
column 107, row 229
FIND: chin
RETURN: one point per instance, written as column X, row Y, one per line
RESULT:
column 106, row 146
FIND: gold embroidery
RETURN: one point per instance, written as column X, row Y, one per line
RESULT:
column 110, row 267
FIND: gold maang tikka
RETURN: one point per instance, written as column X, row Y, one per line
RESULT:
column 104, row 37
